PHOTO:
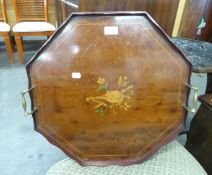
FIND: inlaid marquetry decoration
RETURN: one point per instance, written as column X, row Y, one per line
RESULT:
column 112, row 100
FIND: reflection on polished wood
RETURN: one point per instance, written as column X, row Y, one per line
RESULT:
column 79, row 56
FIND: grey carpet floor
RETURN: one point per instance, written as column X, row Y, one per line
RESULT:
column 22, row 150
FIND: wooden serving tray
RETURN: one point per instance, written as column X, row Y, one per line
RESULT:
column 109, row 88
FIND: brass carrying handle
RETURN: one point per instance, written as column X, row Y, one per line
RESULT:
column 195, row 98
column 24, row 104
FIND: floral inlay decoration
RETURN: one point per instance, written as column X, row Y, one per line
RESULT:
column 112, row 100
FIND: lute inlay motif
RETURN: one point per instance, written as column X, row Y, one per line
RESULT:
column 112, row 100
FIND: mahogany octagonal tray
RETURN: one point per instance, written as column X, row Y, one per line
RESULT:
column 109, row 88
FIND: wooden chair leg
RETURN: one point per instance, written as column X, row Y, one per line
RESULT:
column 18, row 40
column 9, row 48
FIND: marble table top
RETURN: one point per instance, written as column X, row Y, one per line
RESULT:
column 198, row 52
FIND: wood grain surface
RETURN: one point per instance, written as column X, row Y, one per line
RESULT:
column 2, row 11
column 156, row 70
column 163, row 11
column 207, row 31
column 193, row 12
